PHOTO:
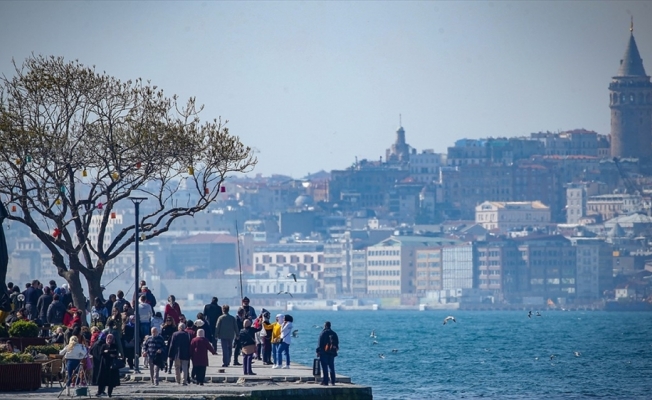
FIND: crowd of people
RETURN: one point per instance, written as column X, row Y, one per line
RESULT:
column 168, row 341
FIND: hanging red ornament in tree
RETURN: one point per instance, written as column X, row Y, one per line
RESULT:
column 100, row 206
column 206, row 191
column 138, row 165
column 56, row 232
column 113, row 215
column 223, row 189
column 13, row 208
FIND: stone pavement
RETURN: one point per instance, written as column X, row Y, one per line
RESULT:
column 221, row 383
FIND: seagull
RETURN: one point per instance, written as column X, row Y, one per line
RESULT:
column 529, row 314
column 374, row 342
column 293, row 276
column 552, row 356
column 373, row 334
column 295, row 333
column 394, row 350
column 577, row 353
column 282, row 292
column 316, row 326
column 538, row 314
column 449, row 318
column 381, row 355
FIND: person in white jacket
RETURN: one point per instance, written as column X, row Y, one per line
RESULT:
column 284, row 347
column 73, row 353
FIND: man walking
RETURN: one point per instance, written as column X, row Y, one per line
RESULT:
column 226, row 331
column 180, row 353
column 212, row 312
column 154, row 346
column 327, row 349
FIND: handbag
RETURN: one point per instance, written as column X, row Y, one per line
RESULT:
column 249, row 349
column 117, row 363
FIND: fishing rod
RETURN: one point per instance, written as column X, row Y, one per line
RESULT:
column 117, row 276
column 237, row 236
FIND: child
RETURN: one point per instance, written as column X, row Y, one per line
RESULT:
column 157, row 321
column 145, row 356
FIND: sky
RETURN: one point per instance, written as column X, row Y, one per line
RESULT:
column 314, row 85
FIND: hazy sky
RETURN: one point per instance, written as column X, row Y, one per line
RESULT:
column 312, row 85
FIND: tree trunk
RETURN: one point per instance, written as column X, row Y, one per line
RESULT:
column 78, row 298
column 94, row 279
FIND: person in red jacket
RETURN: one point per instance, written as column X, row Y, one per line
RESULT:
column 199, row 348
column 172, row 309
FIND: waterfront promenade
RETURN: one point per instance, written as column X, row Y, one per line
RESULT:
column 296, row 383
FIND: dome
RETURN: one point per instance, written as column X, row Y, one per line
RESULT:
column 303, row 201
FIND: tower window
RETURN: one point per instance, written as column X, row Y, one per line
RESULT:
column 631, row 98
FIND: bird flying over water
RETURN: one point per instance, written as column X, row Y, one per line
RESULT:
column 577, row 353
column 552, row 356
column 529, row 314
column 293, row 276
column 449, row 318
column 394, row 350
column 282, row 292
column 316, row 326
column 295, row 333
column 374, row 342
column 373, row 334
column 381, row 355
column 538, row 314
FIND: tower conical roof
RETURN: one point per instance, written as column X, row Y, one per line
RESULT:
column 631, row 64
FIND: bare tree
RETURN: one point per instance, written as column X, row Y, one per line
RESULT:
column 75, row 142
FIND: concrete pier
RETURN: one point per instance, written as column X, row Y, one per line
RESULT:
column 296, row 383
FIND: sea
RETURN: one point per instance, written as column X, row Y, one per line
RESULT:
column 487, row 354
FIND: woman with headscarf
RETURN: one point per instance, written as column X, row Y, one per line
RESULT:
column 109, row 372
column 116, row 320
column 199, row 348
column 73, row 353
column 247, row 341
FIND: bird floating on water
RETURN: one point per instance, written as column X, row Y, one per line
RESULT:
column 381, row 355
column 449, row 318
column 282, row 292
column 552, row 356
column 394, row 350
column 538, row 314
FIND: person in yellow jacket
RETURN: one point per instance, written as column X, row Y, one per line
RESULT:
column 276, row 337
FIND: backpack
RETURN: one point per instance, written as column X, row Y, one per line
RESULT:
column 331, row 347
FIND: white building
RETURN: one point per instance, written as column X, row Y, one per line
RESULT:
column 302, row 259
column 425, row 166
column 274, row 286
column 507, row 216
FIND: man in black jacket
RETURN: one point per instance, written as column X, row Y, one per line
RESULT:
column 56, row 311
column 327, row 349
column 180, row 353
column 43, row 304
column 212, row 312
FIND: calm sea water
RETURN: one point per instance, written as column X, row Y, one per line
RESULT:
column 488, row 354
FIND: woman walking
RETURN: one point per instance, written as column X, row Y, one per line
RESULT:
column 247, row 342
column 199, row 348
column 109, row 374
column 74, row 353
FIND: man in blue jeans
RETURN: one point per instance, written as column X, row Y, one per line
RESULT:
column 327, row 349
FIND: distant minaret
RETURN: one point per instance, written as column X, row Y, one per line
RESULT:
column 630, row 100
column 400, row 151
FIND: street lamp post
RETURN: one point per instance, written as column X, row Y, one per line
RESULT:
column 137, row 201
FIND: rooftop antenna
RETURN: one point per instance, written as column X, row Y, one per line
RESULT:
column 400, row 123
